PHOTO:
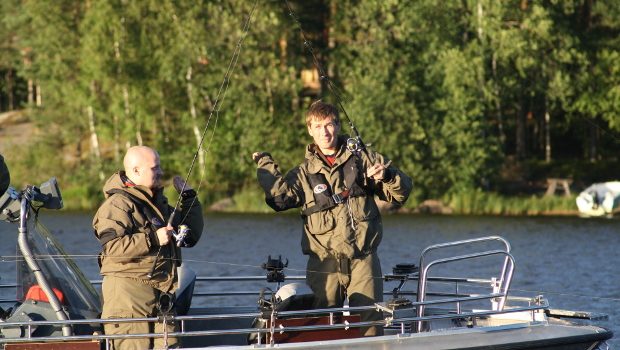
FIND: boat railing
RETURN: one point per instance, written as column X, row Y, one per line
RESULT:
column 466, row 242
column 500, row 285
column 457, row 281
column 395, row 318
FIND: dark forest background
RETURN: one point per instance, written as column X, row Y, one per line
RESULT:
column 469, row 97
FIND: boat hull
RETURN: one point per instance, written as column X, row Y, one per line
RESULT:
column 527, row 335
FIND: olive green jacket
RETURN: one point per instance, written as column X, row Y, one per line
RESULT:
column 127, row 233
column 352, row 229
column 5, row 178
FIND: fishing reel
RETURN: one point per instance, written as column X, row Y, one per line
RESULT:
column 401, row 273
column 181, row 235
column 354, row 144
column 274, row 269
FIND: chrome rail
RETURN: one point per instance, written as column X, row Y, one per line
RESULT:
column 427, row 250
column 535, row 304
column 507, row 278
column 502, row 285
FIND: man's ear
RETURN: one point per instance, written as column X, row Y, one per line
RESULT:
column 309, row 131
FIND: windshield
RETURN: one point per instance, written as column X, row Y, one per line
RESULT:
column 80, row 297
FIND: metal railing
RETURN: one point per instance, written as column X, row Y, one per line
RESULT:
column 500, row 285
column 533, row 305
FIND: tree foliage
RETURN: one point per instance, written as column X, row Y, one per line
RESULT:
column 449, row 90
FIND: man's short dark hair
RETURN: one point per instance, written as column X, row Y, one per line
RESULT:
column 320, row 110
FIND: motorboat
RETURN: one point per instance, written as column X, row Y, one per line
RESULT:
column 599, row 199
column 56, row 306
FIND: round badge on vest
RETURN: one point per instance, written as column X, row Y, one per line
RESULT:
column 320, row 188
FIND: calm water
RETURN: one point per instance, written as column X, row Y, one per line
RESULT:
column 574, row 262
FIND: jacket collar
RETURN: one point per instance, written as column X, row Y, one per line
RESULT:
column 151, row 197
column 315, row 159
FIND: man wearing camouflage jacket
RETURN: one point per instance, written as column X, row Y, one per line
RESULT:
column 139, row 255
column 335, row 189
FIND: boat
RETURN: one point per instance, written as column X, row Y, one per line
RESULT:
column 56, row 306
column 599, row 199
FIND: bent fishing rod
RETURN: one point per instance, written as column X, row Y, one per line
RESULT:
column 221, row 94
column 354, row 144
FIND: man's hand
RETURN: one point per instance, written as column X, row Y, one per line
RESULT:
column 256, row 156
column 377, row 171
column 178, row 183
column 163, row 235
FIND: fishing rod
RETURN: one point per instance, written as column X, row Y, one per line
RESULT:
column 221, row 94
column 223, row 89
column 354, row 144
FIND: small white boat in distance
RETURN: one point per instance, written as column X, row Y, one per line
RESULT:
column 600, row 199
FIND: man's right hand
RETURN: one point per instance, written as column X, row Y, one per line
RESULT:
column 256, row 156
column 163, row 235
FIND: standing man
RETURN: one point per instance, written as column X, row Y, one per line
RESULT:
column 342, row 225
column 139, row 255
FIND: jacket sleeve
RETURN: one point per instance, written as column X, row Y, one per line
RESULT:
column 191, row 214
column 395, row 187
column 117, row 231
column 281, row 192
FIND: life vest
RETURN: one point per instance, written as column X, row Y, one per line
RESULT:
column 324, row 197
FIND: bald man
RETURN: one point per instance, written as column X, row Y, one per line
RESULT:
column 139, row 255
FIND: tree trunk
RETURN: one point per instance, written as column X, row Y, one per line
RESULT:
column 165, row 120
column 498, row 106
column 117, row 138
column 520, row 131
column 94, row 139
column 593, row 141
column 479, row 17
column 9, row 89
column 30, row 92
column 547, row 136
column 39, row 96
column 195, row 128
column 330, row 39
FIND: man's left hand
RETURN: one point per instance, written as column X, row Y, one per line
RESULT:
column 376, row 172
column 178, row 183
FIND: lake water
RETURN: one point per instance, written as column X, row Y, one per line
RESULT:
column 573, row 262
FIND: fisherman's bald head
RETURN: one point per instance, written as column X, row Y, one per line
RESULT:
column 142, row 166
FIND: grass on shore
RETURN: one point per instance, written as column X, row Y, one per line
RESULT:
column 471, row 203
column 490, row 203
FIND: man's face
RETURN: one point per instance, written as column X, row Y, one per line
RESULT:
column 149, row 172
column 325, row 133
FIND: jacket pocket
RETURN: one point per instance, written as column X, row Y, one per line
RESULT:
column 364, row 208
column 320, row 223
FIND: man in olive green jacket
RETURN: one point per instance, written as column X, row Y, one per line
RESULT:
column 335, row 188
column 139, row 255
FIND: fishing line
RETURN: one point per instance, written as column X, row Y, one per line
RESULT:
column 221, row 95
column 17, row 258
column 610, row 133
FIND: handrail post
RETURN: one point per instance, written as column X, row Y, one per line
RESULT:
column 33, row 265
